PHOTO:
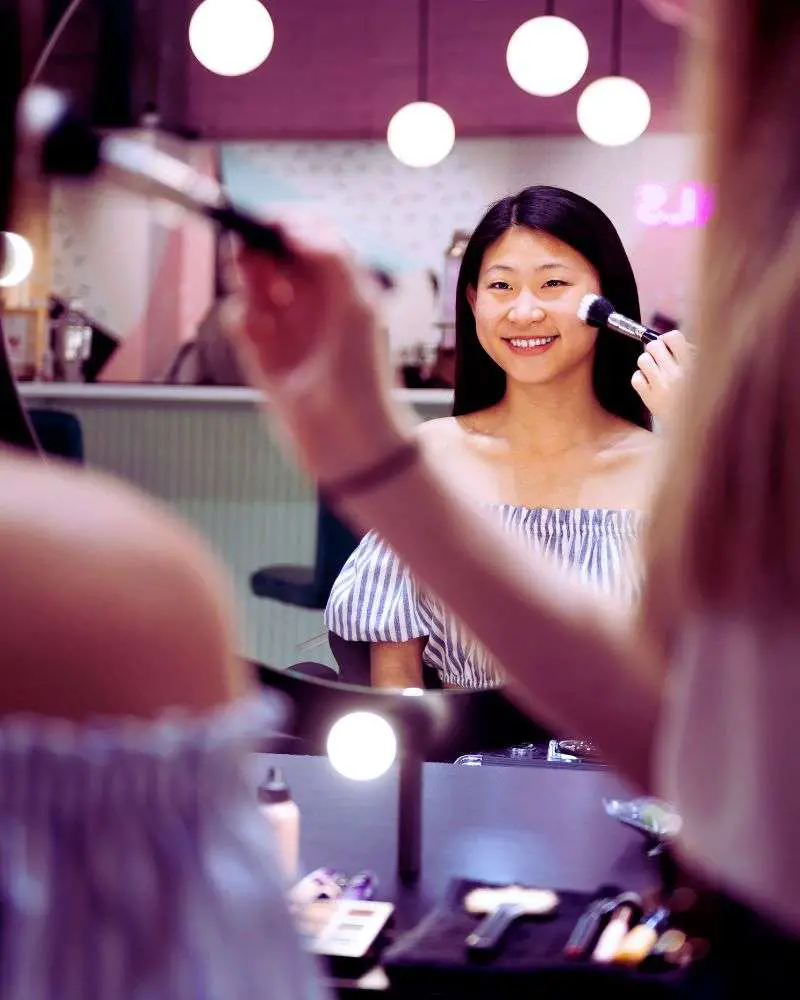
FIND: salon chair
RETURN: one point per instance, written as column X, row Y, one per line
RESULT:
column 310, row 668
column 309, row 586
column 59, row 433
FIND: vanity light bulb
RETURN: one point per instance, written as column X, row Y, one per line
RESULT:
column 362, row 746
column 231, row 37
column 421, row 134
column 614, row 111
column 547, row 56
column 16, row 260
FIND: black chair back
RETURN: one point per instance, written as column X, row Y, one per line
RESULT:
column 336, row 542
column 309, row 586
column 59, row 433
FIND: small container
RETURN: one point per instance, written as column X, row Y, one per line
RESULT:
column 47, row 365
column 452, row 265
column 72, row 343
column 361, row 886
column 276, row 803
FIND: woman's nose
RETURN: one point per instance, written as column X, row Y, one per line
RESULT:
column 526, row 309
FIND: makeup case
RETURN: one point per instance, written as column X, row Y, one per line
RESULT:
column 433, row 959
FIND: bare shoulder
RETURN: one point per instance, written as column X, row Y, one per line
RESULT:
column 110, row 605
column 440, row 434
column 637, row 456
column 645, row 447
column 446, row 432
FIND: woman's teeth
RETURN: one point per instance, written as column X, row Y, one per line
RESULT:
column 531, row 341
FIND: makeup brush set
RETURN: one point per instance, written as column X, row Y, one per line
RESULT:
column 492, row 940
column 503, row 940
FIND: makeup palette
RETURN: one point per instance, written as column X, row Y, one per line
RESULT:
column 351, row 929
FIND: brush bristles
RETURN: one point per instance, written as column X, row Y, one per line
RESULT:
column 595, row 310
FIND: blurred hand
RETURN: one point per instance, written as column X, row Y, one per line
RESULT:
column 663, row 369
column 308, row 335
column 678, row 12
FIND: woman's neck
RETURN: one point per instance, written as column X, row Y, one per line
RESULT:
column 552, row 418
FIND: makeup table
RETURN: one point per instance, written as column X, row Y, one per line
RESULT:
column 540, row 825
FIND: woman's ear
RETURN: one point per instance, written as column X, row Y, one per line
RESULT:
column 471, row 296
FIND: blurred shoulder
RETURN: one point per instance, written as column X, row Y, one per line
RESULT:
column 440, row 433
column 109, row 603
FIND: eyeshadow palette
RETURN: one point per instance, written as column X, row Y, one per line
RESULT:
column 352, row 928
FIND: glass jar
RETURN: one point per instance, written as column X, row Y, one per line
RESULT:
column 452, row 265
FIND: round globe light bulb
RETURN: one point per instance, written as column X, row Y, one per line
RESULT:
column 16, row 262
column 231, row 37
column 547, row 56
column 421, row 134
column 362, row 746
column 614, row 111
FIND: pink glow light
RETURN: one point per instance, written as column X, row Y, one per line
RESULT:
column 677, row 207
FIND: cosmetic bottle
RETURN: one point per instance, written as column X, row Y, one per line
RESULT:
column 276, row 803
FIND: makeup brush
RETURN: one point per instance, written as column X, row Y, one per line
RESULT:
column 628, row 907
column 594, row 310
column 54, row 142
column 502, row 905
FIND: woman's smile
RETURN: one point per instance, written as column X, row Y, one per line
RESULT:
column 529, row 345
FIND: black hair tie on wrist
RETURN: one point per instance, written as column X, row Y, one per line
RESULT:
column 383, row 471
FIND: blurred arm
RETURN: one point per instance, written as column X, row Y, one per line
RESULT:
column 397, row 664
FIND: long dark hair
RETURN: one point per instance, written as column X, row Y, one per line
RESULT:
column 479, row 381
column 14, row 426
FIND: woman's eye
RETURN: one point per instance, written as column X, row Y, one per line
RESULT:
column 555, row 283
column 503, row 286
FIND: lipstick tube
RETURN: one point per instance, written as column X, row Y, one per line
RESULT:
column 640, row 940
column 613, row 936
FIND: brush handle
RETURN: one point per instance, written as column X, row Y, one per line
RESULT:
column 488, row 934
column 71, row 148
column 586, row 931
column 630, row 328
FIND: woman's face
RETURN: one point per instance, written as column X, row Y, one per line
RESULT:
column 526, row 303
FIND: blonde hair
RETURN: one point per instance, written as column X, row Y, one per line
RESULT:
column 725, row 531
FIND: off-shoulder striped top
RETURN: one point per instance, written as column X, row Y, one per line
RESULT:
column 376, row 599
column 135, row 863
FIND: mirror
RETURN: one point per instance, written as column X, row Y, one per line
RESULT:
column 152, row 297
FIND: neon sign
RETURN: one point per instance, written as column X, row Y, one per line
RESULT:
column 679, row 207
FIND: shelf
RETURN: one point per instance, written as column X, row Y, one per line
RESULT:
column 189, row 394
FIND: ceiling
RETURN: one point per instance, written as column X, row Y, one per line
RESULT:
column 340, row 68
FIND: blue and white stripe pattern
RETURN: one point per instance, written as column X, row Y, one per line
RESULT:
column 135, row 864
column 375, row 599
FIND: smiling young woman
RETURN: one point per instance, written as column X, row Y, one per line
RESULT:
column 549, row 431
